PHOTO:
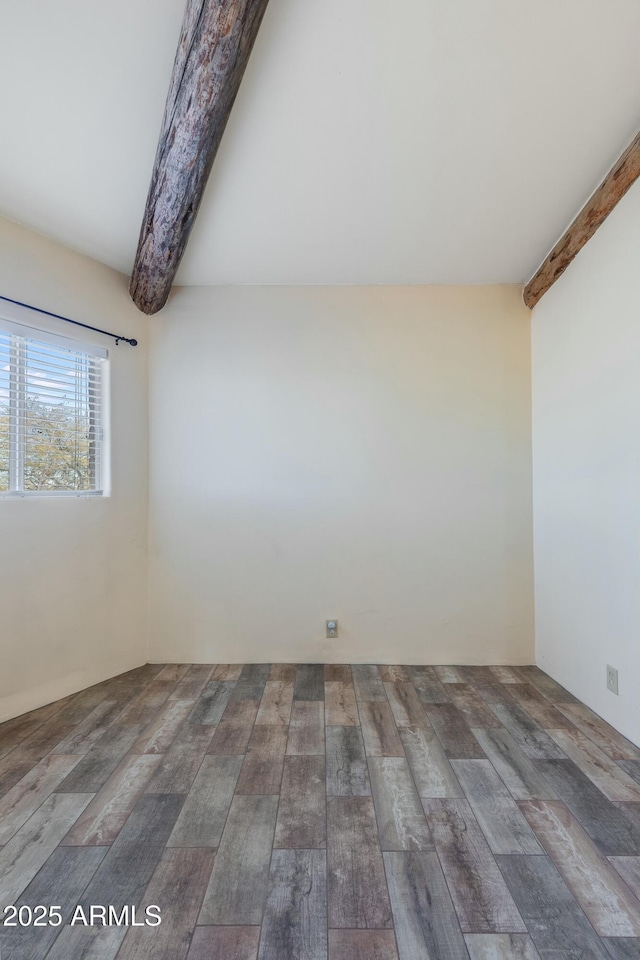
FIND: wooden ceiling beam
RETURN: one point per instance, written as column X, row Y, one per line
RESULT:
column 614, row 186
column 215, row 43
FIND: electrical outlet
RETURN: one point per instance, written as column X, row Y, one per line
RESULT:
column 612, row 679
column 332, row 628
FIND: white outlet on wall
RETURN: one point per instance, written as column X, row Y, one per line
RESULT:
column 332, row 628
column 612, row 679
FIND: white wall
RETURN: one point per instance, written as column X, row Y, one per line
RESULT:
column 586, row 443
column 73, row 572
column 359, row 453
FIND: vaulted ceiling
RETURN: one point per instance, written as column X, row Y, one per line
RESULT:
column 373, row 141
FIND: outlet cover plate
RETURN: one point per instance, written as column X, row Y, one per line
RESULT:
column 612, row 679
column 332, row 628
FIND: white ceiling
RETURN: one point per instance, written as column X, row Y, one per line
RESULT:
column 373, row 141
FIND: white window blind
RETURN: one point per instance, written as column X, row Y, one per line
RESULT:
column 51, row 414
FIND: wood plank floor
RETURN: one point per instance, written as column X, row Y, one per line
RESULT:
column 283, row 812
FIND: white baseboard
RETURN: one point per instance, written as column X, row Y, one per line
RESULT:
column 384, row 661
column 18, row 703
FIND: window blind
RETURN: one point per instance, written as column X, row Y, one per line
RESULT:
column 51, row 414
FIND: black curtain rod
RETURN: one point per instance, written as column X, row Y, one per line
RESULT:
column 47, row 313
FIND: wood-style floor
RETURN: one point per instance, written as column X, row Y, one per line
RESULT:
column 312, row 812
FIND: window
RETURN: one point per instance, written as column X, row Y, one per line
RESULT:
column 51, row 414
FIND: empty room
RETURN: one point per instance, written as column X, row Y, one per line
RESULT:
column 320, row 480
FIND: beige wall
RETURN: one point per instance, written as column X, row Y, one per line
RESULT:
column 586, row 443
column 73, row 572
column 359, row 453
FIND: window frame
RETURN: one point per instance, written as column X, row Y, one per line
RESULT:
column 14, row 321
